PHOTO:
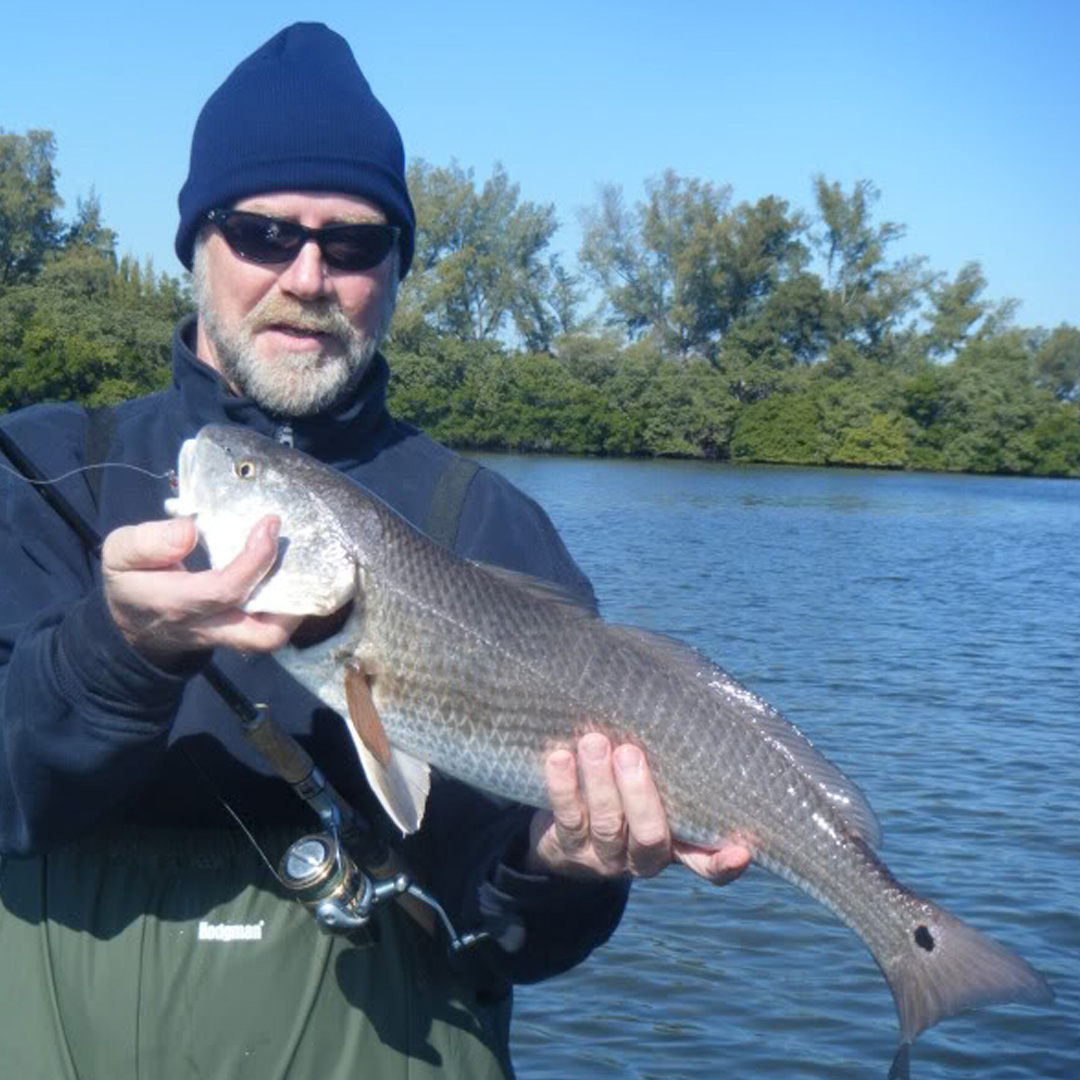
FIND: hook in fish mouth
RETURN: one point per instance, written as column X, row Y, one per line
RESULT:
column 180, row 482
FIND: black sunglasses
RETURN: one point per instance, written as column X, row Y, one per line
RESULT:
column 271, row 240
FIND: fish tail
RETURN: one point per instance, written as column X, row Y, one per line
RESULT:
column 948, row 967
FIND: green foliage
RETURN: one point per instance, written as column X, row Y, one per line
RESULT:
column 782, row 429
column 687, row 412
column 959, row 313
column 880, row 442
column 481, row 263
column 479, row 395
column 75, row 323
column 29, row 227
column 84, row 331
column 1055, row 440
column 986, row 412
column 869, row 295
column 681, row 268
column 1057, row 363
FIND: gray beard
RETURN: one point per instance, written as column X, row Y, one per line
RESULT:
column 292, row 384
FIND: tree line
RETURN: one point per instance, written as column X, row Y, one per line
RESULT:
column 691, row 325
column 77, row 322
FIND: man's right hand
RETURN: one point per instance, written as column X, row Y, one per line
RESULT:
column 165, row 610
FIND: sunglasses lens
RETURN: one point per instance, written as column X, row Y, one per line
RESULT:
column 357, row 247
column 261, row 239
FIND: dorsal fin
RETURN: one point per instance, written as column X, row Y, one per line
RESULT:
column 540, row 589
column 849, row 802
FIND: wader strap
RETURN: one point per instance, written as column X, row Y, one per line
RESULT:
column 100, row 426
column 448, row 501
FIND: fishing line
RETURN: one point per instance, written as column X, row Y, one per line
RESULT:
column 26, row 470
column 204, row 777
column 169, row 475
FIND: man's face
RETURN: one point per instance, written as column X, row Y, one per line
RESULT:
column 296, row 337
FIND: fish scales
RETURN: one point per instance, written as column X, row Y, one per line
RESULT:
column 519, row 654
column 481, row 673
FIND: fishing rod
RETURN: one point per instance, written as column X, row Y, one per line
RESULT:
column 322, row 870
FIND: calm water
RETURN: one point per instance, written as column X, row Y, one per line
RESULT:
column 925, row 631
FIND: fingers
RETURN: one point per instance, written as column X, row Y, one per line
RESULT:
column 239, row 579
column 603, row 802
column 215, row 591
column 720, row 867
column 649, row 845
column 149, row 546
column 648, row 837
column 571, row 820
column 158, row 545
column 163, row 609
column 238, row 630
column 607, row 819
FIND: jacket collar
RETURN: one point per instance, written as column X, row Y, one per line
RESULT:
column 353, row 432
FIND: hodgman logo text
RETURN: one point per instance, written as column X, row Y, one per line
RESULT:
column 230, row 931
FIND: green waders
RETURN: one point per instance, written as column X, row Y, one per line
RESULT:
column 150, row 955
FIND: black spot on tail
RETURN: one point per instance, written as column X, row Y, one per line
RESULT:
column 924, row 939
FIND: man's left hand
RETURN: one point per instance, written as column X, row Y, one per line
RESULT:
column 612, row 822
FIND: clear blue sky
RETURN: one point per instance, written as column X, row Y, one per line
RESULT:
column 965, row 114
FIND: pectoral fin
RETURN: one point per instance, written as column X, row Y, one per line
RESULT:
column 400, row 781
column 365, row 720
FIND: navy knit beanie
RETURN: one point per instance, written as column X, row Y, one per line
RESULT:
column 296, row 115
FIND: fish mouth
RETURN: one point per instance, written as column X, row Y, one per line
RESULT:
column 180, row 506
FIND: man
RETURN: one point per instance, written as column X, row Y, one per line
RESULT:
column 140, row 932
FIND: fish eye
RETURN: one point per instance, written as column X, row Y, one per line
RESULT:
column 245, row 470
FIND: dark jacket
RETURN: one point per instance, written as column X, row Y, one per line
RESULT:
column 91, row 733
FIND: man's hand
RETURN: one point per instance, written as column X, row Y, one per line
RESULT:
column 164, row 610
column 613, row 822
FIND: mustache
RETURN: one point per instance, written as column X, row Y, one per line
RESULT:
column 318, row 317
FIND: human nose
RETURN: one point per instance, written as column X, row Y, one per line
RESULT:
column 306, row 275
